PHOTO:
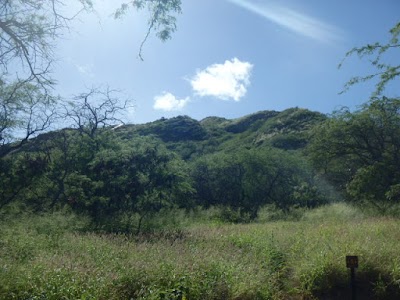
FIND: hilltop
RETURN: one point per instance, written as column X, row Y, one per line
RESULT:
column 287, row 130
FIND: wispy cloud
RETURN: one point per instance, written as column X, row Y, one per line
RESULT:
column 168, row 102
column 86, row 69
column 227, row 81
column 292, row 20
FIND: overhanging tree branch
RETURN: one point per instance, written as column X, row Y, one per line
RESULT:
column 162, row 18
column 28, row 29
column 375, row 52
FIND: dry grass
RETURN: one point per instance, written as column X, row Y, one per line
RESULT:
column 46, row 258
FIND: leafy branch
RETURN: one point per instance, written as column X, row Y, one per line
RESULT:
column 375, row 52
column 161, row 19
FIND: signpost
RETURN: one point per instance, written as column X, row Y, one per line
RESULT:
column 352, row 264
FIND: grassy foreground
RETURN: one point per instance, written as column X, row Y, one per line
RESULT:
column 47, row 258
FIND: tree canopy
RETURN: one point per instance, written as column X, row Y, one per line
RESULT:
column 359, row 151
column 121, row 175
column 29, row 31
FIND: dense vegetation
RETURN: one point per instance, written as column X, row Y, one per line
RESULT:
column 120, row 177
column 91, row 210
column 55, row 257
column 138, row 211
column 129, row 173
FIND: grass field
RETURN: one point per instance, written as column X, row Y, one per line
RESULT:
column 50, row 257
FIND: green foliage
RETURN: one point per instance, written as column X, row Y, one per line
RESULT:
column 247, row 180
column 161, row 19
column 49, row 257
column 192, row 139
column 375, row 53
column 18, row 173
column 123, row 177
column 358, row 152
column 181, row 128
column 207, row 282
column 295, row 119
column 137, row 178
column 101, row 176
column 244, row 123
column 28, row 29
column 25, row 111
column 212, row 122
column 289, row 141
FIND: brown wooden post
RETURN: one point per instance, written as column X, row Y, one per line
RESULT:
column 352, row 264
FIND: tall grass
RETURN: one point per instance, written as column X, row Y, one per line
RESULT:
column 51, row 257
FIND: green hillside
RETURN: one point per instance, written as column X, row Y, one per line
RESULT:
column 249, row 208
column 144, row 168
column 190, row 138
column 122, row 176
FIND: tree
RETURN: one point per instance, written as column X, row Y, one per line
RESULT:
column 138, row 178
column 359, row 152
column 71, row 150
column 25, row 111
column 28, row 30
column 376, row 55
column 95, row 109
column 18, row 173
column 249, row 179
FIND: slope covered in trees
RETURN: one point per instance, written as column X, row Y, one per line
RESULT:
column 126, row 178
column 120, row 176
column 134, row 171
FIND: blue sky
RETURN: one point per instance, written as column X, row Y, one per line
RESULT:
column 228, row 58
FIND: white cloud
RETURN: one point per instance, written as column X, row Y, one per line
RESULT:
column 168, row 102
column 225, row 81
column 293, row 20
column 86, row 69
